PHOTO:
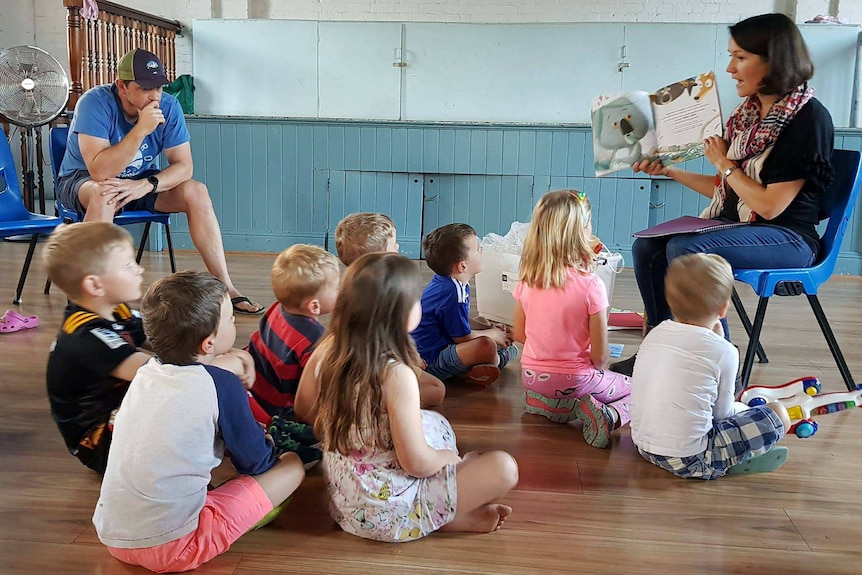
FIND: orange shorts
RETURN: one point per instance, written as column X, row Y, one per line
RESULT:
column 228, row 513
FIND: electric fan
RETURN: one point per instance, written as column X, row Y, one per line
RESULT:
column 34, row 89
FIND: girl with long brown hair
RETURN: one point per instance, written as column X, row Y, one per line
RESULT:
column 392, row 469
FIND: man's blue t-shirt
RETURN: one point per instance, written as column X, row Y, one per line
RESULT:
column 99, row 113
column 445, row 315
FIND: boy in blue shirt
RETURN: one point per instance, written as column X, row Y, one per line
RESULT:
column 448, row 340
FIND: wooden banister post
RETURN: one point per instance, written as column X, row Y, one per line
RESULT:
column 75, row 35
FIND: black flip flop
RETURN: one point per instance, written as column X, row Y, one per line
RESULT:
column 242, row 299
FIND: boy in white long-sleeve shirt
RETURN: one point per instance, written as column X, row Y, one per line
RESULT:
column 181, row 412
column 684, row 417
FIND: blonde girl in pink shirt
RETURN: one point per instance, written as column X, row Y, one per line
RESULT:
column 561, row 317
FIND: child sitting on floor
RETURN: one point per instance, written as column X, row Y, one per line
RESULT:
column 449, row 342
column 178, row 417
column 561, row 317
column 97, row 351
column 393, row 469
column 356, row 235
column 305, row 282
column 684, row 417
column 366, row 233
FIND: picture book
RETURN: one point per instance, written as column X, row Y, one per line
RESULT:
column 686, row 225
column 669, row 124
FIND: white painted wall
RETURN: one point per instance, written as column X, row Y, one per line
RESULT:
column 43, row 21
column 17, row 23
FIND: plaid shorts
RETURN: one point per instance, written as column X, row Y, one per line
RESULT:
column 730, row 442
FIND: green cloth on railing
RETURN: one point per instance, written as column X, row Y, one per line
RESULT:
column 184, row 89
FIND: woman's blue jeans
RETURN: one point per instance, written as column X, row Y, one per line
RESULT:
column 759, row 246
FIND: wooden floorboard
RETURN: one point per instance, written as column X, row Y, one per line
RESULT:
column 576, row 509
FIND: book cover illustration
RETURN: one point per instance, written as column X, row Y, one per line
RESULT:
column 669, row 124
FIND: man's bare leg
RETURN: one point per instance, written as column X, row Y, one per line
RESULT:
column 96, row 205
column 192, row 198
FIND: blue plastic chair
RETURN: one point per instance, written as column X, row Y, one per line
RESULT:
column 840, row 199
column 59, row 136
column 15, row 219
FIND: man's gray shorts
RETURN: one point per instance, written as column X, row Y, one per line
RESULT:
column 69, row 185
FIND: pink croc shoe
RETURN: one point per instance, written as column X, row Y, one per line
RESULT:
column 13, row 321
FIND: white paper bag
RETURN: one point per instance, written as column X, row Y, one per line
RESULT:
column 608, row 265
column 495, row 284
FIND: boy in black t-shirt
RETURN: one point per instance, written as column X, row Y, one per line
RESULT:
column 96, row 353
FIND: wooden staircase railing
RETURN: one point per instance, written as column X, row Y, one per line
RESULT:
column 96, row 46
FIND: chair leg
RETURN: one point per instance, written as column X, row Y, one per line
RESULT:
column 25, row 269
column 754, row 342
column 833, row 343
column 144, row 237
column 746, row 323
column 170, row 248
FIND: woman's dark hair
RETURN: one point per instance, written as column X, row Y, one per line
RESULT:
column 778, row 42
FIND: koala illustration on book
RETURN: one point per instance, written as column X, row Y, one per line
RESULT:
column 618, row 128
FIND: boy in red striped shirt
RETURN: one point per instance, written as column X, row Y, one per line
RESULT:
column 305, row 282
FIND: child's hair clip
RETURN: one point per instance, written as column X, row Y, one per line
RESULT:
column 579, row 195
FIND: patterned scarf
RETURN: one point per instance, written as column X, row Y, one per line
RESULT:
column 750, row 142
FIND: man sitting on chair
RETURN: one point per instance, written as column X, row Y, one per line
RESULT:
column 112, row 160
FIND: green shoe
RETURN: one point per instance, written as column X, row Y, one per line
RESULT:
column 272, row 514
column 769, row 461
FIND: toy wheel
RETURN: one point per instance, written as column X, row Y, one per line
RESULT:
column 806, row 429
column 755, row 401
column 812, row 386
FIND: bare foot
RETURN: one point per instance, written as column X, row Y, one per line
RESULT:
column 502, row 511
column 484, row 519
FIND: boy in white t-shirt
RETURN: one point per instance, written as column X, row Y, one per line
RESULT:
column 683, row 415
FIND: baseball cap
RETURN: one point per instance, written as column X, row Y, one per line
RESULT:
column 142, row 67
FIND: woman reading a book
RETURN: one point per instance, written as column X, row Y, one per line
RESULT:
column 771, row 169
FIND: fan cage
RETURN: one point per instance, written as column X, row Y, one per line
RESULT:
column 34, row 87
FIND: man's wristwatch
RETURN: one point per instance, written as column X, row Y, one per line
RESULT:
column 155, row 182
column 729, row 170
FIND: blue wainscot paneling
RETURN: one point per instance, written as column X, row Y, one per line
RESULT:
column 278, row 182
